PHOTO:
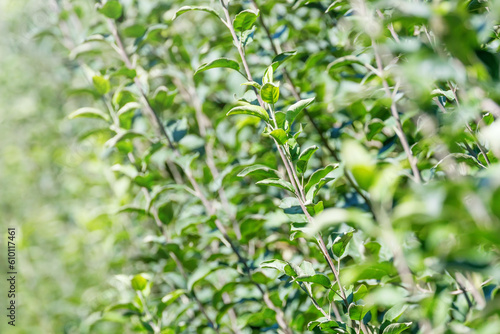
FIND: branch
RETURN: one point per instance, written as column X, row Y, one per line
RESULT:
column 286, row 162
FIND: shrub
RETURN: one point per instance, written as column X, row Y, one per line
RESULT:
column 300, row 166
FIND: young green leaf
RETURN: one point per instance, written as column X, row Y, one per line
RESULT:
column 324, row 324
column 343, row 61
column 101, row 84
column 245, row 20
column 276, row 264
column 268, row 75
column 88, row 113
column 296, row 108
column 250, row 110
column 186, row 9
column 139, row 283
column 358, row 312
column 270, row 92
column 320, row 279
column 252, row 83
column 340, row 243
column 171, row 297
column 131, row 106
column 283, row 56
column 360, row 293
column 280, row 136
column 304, row 158
column 316, row 177
column 395, row 312
column 221, row 62
column 260, row 169
column 277, row 183
column 396, row 328
column 111, row 9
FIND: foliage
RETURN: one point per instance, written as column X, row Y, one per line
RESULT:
column 297, row 166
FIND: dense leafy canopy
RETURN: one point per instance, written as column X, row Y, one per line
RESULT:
column 291, row 166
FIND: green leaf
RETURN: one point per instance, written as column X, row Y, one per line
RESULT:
column 283, row 56
column 131, row 106
column 250, row 110
column 200, row 274
column 277, row 183
column 186, row 9
column 316, row 177
column 245, row 20
column 304, row 158
column 323, row 324
column 358, row 312
column 395, row 312
column 340, row 243
column 101, row 84
column 112, row 9
column 88, row 113
column 171, row 297
column 448, row 94
column 252, row 83
column 275, row 264
column 343, row 61
column 396, row 328
column 321, row 279
column 139, row 283
column 270, row 92
column 294, row 110
column 122, row 136
column 292, row 270
column 268, row 75
column 260, row 170
column 280, row 136
column 360, row 293
column 221, row 62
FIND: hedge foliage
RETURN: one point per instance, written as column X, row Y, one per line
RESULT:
column 295, row 166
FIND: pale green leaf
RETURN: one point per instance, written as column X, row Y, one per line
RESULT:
column 139, row 283
column 186, row 9
column 270, row 92
column 245, row 20
column 294, row 110
column 278, row 183
column 250, row 110
column 221, row 62
column 111, row 9
column 280, row 136
column 304, row 158
column 88, row 113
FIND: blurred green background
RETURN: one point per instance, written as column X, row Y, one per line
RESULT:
column 54, row 189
